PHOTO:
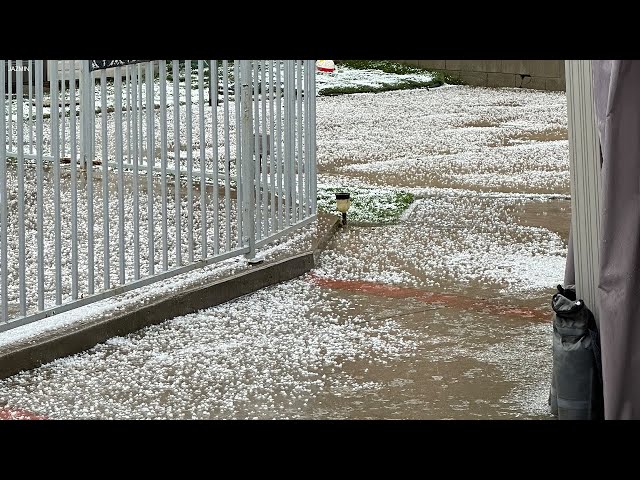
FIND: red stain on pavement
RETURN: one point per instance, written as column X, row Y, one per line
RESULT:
column 7, row 413
column 445, row 299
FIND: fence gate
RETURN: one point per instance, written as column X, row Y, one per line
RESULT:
column 116, row 174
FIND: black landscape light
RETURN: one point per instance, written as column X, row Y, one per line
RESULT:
column 343, row 202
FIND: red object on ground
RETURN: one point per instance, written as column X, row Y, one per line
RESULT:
column 7, row 413
column 446, row 299
column 325, row 66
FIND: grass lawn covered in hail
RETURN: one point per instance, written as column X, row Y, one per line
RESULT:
column 373, row 76
column 368, row 205
column 372, row 205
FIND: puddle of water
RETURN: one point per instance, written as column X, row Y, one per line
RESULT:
column 451, row 374
column 527, row 137
column 481, row 123
column 553, row 215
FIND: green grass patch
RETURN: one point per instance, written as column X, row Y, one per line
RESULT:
column 388, row 66
column 384, row 87
column 370, row 206
column 437, row 78
column 385, row 66
column 451, row 79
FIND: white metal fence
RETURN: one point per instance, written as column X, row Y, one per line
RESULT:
column 114, row 179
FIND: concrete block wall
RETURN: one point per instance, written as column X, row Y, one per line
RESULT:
column 536, row 74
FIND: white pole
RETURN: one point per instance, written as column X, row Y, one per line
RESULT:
column 585, row 180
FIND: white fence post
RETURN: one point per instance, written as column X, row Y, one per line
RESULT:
column 248, row 164
column 4, row 310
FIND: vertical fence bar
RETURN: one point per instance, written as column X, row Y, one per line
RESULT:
column 129, row 109
column 74, row 181
column 263, row 160
column 20, row 197
column 249, row 200
column 141, row 145
column 150, row 163
column 119, row 162
column 292, row 139
column 63, row 108
column 140, row 110
column 187, row 90
column 287, row 141
column 127, row 81
column 10, row 100
column 312, row 139
column 227, row 151
column 307, row 153
column 92, row 92
column 213, row 73
column 4, row 277
column 203, row 137
column 39, row 187
column 176, row 141
column 55, row 152
column 30, row 70
column 105, row 177
column 272, row 170
column 89, row 87
column 299, row 133
column 137, row 154
column 163, row 161
column 279, row 158
column 239, row 146
column 82, row 111
column 257, row 154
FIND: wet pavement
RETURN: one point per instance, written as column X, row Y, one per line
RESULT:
column 466, row 364
column 442, row 315
column 306, row 350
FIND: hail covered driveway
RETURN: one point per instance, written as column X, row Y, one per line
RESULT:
column 442, row 314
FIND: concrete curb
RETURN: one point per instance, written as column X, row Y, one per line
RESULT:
column 57, row 344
